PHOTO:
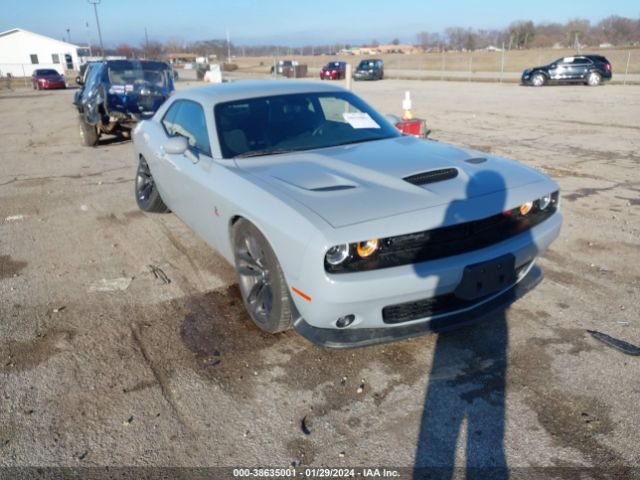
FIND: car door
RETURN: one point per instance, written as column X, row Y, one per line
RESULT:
column 91, row 97
column 187, row 182
column 580, row 67
column 560, row 69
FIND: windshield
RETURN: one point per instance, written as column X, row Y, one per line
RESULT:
column 125, row 72
column 367, row 64
column 303, row 121
column 47, row 72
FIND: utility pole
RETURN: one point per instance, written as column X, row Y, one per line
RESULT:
column 89, row 39
column 68, row 35
column 95, row 9
column 228, row 48
column 146, row 43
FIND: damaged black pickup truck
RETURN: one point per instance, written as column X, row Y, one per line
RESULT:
column 116, row 94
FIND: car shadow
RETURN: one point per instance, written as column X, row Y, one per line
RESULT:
column 463, row 417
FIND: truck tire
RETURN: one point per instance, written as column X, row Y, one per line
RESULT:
column 88, row 133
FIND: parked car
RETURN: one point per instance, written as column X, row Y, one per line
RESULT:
column 118, row 93
column 333, row 71
column 46, row 78
column 289, row 69
column 372, row 69
column 588, row 69
column 285, row 180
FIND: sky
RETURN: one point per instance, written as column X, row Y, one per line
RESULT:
column 286, row 22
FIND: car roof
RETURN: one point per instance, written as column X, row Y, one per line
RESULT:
column 600, row 58
column 225, row 92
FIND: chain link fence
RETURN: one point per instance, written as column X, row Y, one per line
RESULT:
column 487, row 66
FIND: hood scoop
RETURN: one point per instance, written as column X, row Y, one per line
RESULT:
column 332, row 188
column 311, row 177
column 476, row 160
column 432, row 176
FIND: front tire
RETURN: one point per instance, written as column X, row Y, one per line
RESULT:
column 594, row 79
column 147, row 195
column 262, row 285
column 88, row 133
column 538, row 80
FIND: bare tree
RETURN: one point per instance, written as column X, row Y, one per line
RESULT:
column 174, row 45
column 428, row 40
column 124, row 50
column 152, row 50
column 521, row 33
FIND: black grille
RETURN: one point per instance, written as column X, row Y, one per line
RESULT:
column 446, row 241
column 429, row 307
column 432, row 176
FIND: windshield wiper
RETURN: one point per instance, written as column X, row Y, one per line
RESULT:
column 362, row 140
column 269, row 151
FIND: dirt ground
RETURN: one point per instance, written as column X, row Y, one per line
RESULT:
column 102, row 363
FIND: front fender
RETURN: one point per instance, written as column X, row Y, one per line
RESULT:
column 90, row 106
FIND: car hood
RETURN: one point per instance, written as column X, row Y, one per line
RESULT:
column 51, row 78
column 361, row 182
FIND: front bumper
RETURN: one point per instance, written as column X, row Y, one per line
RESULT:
column 365, row 76
column 51, row 85
column 362, row 337
column 367, row 294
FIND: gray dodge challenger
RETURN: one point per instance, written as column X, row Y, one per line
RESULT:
column 337, row 224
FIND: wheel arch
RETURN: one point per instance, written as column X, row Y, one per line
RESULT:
column 289, row 248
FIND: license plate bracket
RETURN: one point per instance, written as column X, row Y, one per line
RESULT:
column 485, row 278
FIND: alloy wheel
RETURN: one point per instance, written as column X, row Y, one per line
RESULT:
column 144, row 182
column 254, row 278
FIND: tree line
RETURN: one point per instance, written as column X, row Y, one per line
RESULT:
column 522, row 34
column 613, row 30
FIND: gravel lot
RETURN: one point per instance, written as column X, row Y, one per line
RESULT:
column 101, row 363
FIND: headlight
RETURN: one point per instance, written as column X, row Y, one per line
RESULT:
column 367, row 248
column 337, row 254
column 544, row 202
column 525, row 208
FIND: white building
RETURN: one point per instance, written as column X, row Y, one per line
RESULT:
column 21, row 52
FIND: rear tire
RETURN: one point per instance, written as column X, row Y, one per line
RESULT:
column 147, row 195
column 88, row 133
column 594, row 79
column 262, row 285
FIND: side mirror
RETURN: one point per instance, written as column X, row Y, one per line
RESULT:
column 553, row 66
column 176, row 145
column 79, row 80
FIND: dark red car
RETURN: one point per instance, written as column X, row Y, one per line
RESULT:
column 334, row 71
column 45, row 78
